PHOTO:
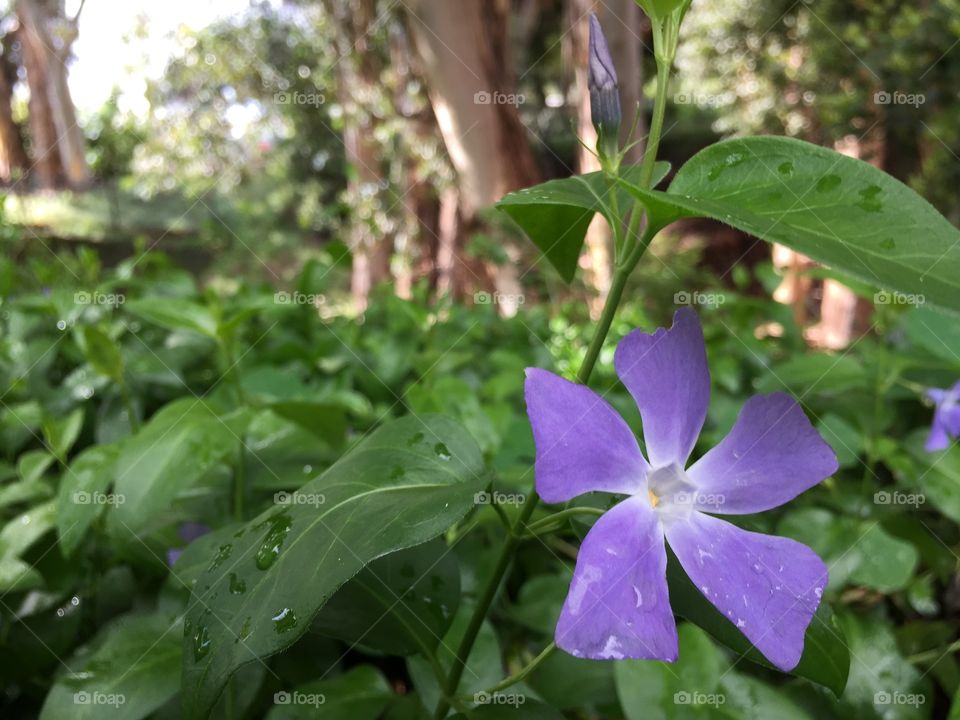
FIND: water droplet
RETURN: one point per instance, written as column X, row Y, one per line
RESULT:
column 222, row 554
column 269, row 549
column 442, row 451
column 201, row 643
column 60, row 612
column 238, row 585
column 888, row 244
column 74, row 601
column 418, row 437
column 786, row 168
column 284, row 620
column 828, row 183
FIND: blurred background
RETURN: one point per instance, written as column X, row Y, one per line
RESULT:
column 372, row 136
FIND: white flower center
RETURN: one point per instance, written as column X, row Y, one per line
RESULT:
column 670, row 490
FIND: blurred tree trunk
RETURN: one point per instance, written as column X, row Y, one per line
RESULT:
column 621, row 21
column 464, row 51
column 13, row 156
column 358, row 75
column 59, row 146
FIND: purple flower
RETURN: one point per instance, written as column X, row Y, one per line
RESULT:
column 188, row 532
column 946, row 418
column 618, row 606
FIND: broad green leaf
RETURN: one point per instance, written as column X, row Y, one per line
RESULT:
column 176, row 314
column 403, row 485
column 835, row 209
column 179, row 445
column 556, row 214
column 401, row 604
column 131, row 669
column 747, row 697
column 83, row 494
column 825, row 659
column 325, row 420
column 935, row 332
column 651, row 690
column 61, row 433
column 818, row 373
column 103, row 353
column 21, row 532
column 860, row 552
column 33, row 464
column 24, row 491
column 567, row 682
column 936, row 477
column 360, row 694
column 483, row 670
column 539, row 602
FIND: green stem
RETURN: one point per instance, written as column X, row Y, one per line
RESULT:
column 656, row 127
column 558, row 518
column 523, row 672
column 929, row 655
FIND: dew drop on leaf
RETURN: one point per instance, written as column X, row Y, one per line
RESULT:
column 442, row 451
column 269, row 549
column 222, row 554
column 201, row 643
column 786, row 168
column 888, row 244
column 284, row 620
column 418, row 437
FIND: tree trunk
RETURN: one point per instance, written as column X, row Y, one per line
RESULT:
column 55, row 129
column 464, row 51
column 358, row 72
column 621, row 21
column 13, row 156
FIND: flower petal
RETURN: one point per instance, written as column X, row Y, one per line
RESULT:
column 771, row 455
column 582, row 443
column 618, row 606
column 667, row 375
column 768, row 586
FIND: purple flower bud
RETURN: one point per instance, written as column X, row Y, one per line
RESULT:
column 603, row 84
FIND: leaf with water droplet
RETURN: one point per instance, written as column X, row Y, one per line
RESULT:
column 297, row 557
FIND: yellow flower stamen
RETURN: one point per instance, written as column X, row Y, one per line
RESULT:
column 654, row 500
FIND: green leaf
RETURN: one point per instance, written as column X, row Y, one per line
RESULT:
column 61, row 433
column 403, row 485
column 556, row 214
column 130, row 671
column 17, row 536
column 327, row 421
column 176, row 314
column 102, row 353
column 522, row 708
column 835, row 209
column 360, row 694
column 179, row 445
column 825, row 660
column 937, row 476
column 484, row 667
column 82, row 494
column 935, row 332
column 400, row 604
column 33, row 464
column 650, row 690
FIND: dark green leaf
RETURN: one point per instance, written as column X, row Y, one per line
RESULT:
column 83, row 494
column 176, row 314
column 556, row 214
column 400, row 604
column 103, row 353
column 360, row 694
column 835, row 209
column 403, row 485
